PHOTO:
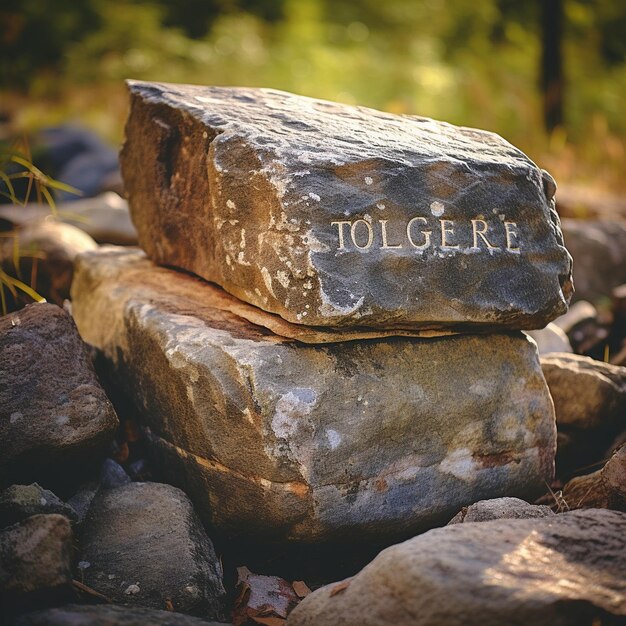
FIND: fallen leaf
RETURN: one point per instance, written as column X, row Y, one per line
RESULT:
column 301, row 589
column 339, row 587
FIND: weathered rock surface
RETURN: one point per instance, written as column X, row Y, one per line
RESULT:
column 21, row 501
column 53, row 412
column 562, row 570
column 143, row 545
column 105, row 217
column 581, row 311
column 35, row 562
column 605, row 488
column 590, row 404
column 349, row 440
column 500, row 508
column 587, row 393
column 108, row 615
column 550, row 339
column 53, row 246
column 333, row 215
column 599, row 251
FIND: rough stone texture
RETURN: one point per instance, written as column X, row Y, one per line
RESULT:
column 105, row 217
column 55, row 246
column 35, row 561
column 590, row 404
column 605, row 488
column 21, row 501
column 112, row 475
column 579, row 312
column 349, row 440
column 298, row 206
column 108, row 615
column 500, row 508
column 143, row 545
column 599, row 251
column 53, row 411
column 561, row 570
column 587, row 393
column 551, row 339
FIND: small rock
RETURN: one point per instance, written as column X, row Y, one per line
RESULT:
column 112, row 475
column 55, row 246
column 21, row 501
column 105, row 218
column 590, row 405
column 146, row 547
column 500, row 508
column 586, row 393
column 54, row 415
column 579, row 312
column 550, row 339
column 605, row 488
column 108, row 615
column 78, row 157
column 563, row 569
column 82, row 499
column 35, row 562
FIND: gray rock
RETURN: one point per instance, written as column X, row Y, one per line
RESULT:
column 581, row 311
column 500, row 508
column 561, row 570
column 55, row 246
column 587, row 393
column 112, row 475
column 599, row 251
column 333, row 215
column 277, row 439
column 54, row 415
column 590, row 405
column 550, row 339
column 82, row 499
column 108, row 615
column 105, row 217
column 143, row 545
column 21, row 501
column 605, row 488
column 35, row 562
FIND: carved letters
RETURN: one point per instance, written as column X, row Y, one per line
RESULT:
column 420, row 233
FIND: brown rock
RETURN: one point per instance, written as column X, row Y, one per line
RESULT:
column 500, row 508
column 560, row 570
column 277, row 439
column 338, row 216
column 143, row 545
column 587, row 393
column 35, row 562
column 52, row 246
column 54, row 415
column 605, row 488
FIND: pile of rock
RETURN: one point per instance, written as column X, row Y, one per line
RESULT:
column 355, row 368
column 354, row 374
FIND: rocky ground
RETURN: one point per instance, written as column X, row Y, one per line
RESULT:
column 103, row 520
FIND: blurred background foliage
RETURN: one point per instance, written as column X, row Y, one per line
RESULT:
column 470, row 63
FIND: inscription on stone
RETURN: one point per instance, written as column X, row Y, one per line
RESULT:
column 420, row 233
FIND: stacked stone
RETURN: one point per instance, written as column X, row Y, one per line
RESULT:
column 352, row 364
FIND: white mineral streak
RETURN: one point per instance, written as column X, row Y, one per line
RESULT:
column 437, row 208
column 460, row 463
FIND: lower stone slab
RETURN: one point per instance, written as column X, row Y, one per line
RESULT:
column 277, row 439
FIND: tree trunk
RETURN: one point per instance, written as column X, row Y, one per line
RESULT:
column 552, row 80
